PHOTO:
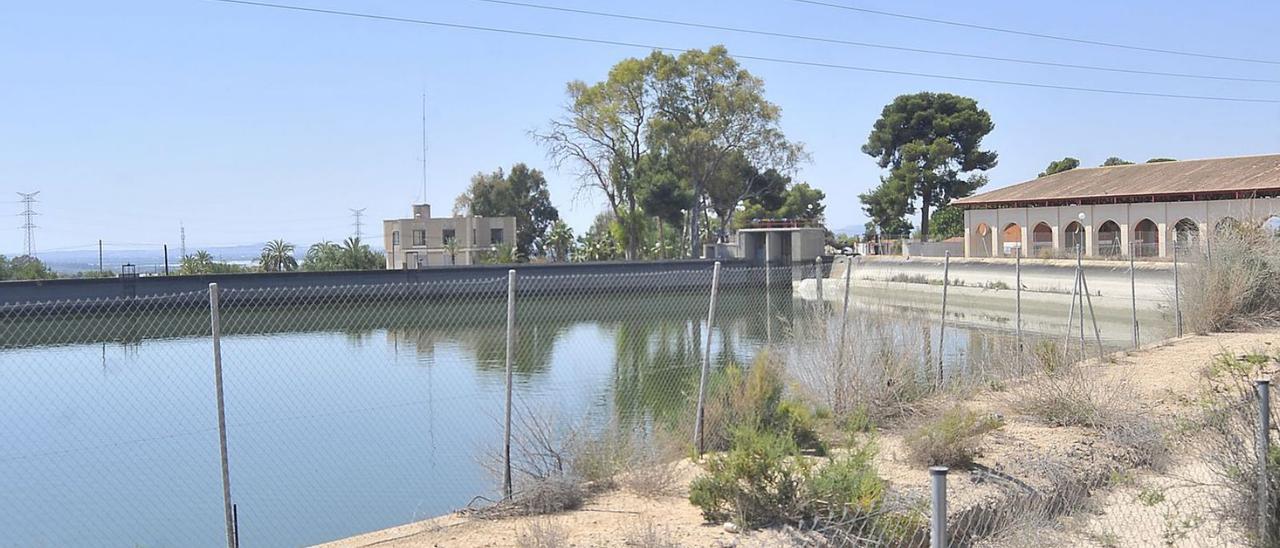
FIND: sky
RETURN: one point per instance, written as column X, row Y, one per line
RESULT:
column 244, row 123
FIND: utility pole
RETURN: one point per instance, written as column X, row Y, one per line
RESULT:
column 28, row 225
column 182, row 240
column 99, row 256
column 358, row 214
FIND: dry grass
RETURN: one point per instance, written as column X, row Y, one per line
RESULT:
column 952, row 439
column 648, row 534
column 542, row 533
column 1236, row 286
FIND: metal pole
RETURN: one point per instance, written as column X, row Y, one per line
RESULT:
column 1080, row 294
column 706, row 361
column 166, row 259
column 844, row 312
column 511, row 352
column 1071, row 313
column 1017, row 293
column 818, row 277
column 215, row 323
column 768, row 290
column 99, row 256
column 1264, row 449
column 1133, row 293
column 1177, row 290
column 938, row 519
column 1093, row 316
column 942, row 330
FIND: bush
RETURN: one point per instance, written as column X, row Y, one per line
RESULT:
column 542, row 534
column 759, row 482
column 952, row 439
column 754, row 400
column 1070, row 396
column 1235, row 286
column 848, row 484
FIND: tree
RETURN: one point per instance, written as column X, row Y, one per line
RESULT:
column 604, row 134
column 928, row 141
column 351, row 254
column 1065, row 164
column 201, row 262
column 1116, row 161
column 1158, row 160
column 599, row 243
column 888, row 206
column 560, row 241
column 947, row 222
column 710, row 110
column 740, row 182
column 277, row 256
column 522, row 194
column 25, row 267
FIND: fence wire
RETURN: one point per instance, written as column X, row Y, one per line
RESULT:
column 355, row 408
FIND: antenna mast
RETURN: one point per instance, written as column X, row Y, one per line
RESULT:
column 28, row 225
column 424, row 146
column 182, row 239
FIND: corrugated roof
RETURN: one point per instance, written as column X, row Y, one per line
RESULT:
column 1212, row 175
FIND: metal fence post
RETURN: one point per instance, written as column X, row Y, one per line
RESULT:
column 511, row 348
column 1133, row 294
column 938, row 519
column 1264, row 449
column 706, row 362
column 844, row 311
column 1017, row 296
column 1177, row 291
column 215, row 323
column 817, row 278
column 768, row 292
column 942, row 330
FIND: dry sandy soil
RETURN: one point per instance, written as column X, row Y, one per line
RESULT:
column 1166, row 382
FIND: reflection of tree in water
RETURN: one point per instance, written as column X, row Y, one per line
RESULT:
column 657, row 365
column 487, row 344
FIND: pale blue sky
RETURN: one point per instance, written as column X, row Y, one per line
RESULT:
column 248, row 123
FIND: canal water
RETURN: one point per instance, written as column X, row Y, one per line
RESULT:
column 341, row 418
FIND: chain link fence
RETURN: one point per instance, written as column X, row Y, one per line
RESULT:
column 350, row 409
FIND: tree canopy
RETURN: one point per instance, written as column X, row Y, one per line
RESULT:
column 928, row 142
column 1115, row 161
column 351, row 254
column 277, row 256
column 24, row 267
column 1158, row 160
column 1058, row 166
column 521, row 193
column 947, row 222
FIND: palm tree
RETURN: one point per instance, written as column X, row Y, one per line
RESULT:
column 560, row 239
column 451, row 247
column 277, row 256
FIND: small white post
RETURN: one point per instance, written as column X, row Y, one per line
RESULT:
column 818, row 278
column 938, row 517
column 215, row 322
column 511, row 352
column 942, row 330
column 706, row 361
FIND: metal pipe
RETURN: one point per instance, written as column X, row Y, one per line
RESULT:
column 215, row 323
column 844, row 312
column 1177, row 290
column 511, row 351
column 1264, row 452
column 938, row 517
column 942, row 330
column 1093, row 316
column 1133, row 294
column 1017, row 292
column 818, row 277
column 706, row 361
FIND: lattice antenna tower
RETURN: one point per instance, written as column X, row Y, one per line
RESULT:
column 28, row 222
column 358, row 224
column 182, row 239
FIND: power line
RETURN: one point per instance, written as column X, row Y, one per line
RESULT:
column 1042, row 35
column 829, row 40
column 748, row 57
column 28, row 225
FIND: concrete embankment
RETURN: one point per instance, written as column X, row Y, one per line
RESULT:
column 42, row 296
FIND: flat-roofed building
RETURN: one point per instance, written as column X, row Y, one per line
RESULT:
column 1118, row 210
column 422, row 240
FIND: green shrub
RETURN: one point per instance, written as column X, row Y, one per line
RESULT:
column 952, row 439
column 848, row 484
column 797, row 419
column 753, row 399
column 759, row 482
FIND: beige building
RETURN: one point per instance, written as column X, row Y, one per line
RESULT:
column 425, row 241
column 1118, row 210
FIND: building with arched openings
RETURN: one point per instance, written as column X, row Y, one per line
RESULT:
column 1118, row 210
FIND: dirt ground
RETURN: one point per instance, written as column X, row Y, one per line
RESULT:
column 1166, row 379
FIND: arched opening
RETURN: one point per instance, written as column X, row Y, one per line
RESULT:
column 1186, row 235
column 1073, row 237
column 1010, row 239
column 1146, row 239
column 1041, row 239
column 1109, row 239
column 981, row 245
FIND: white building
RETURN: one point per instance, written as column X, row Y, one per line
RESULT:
column 1117, row 210
column 425, row 241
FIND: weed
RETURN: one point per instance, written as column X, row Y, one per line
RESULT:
column 952, row 439
column 759, row 482
column 542, row 534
